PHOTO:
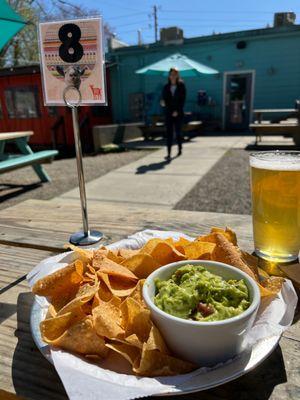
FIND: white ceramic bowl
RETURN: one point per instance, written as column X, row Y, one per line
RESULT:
column 204, row 343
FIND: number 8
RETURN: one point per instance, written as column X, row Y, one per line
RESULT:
column 69, row 35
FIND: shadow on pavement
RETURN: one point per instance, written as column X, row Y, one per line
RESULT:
column 269, row 147
column 6, row 310
column 33, row 376
column 9, row 191
column 143, row 169
column 259, row 383
column 255, row 385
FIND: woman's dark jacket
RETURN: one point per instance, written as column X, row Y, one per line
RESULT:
column 176, row 102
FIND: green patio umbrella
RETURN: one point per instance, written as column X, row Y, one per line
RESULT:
column 10, row 23
column 186, row 66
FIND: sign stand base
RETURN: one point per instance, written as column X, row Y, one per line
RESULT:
column 82, row 239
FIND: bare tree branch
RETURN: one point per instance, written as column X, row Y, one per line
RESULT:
column 23, row 48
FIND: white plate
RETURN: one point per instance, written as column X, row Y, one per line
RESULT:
column 207, row 380
column 202, row 379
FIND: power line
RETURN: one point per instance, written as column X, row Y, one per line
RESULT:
column 213, row 26
column 133, row 30
column 213, row 20
column 128, row 15
column 119, row 4
column 133, row 23
column 220, row 12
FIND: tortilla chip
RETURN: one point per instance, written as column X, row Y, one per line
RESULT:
column 105, row 265
column 79, row 267
column 155, row 363
column 135, row 319
column 211, row 237
column 134, row 341
column 181, row 243
column 199, row 250
column 60, row 286
column 271, row 267
column 51, row 312
column 262, row 274
column 137, row 293
column 82, row 338
column 117, row 286
column 228, row 233
column 114, row 256
column 156, row 342
column 104, row 293
column 130, row 353
column 271, row 286
column 85, row 294
column 107, row 318
column 141, row 265
column 227, row 253
column 162, row 252
column 84, row 255
column 52, row 328
column 57, row 281
column 252, row 262
column 127, row 253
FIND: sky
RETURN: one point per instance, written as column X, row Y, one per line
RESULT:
column 195, row 17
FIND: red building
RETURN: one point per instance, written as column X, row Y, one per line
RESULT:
column 22, row 109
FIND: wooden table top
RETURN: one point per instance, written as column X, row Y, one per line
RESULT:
column 47, row 225
column 274, row 110
column 34, row 230
column 14, row 135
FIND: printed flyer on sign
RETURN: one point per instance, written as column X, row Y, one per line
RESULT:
column 72, row 55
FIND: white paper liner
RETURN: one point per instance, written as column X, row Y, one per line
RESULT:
column 84, row 380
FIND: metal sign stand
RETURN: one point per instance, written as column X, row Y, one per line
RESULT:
column 84, row 237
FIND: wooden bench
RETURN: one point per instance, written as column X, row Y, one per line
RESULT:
column 285, row 127
column 9, row 162
column 157, row 128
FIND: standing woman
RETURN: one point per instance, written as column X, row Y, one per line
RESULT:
column 173, row 97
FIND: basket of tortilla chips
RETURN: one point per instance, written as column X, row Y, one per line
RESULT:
column 96, row 304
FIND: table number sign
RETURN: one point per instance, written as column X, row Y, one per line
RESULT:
column 72, row 66
column 71, row 54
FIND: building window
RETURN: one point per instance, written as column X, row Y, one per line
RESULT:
column 22, row 102
column 52, row 111
column 100, row 111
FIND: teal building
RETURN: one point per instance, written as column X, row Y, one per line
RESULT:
column 257, row 69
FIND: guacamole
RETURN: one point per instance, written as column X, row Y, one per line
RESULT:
column 194, row 293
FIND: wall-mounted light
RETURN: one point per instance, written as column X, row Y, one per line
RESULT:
column 239, row 64
column 241, row 45
column 271, row 71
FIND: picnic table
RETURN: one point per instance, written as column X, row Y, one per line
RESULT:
column 35, row 229
column 289, row 126
column 9, row 162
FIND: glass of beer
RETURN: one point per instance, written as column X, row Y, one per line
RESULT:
column 275, row 187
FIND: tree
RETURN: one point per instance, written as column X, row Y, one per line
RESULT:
column 23, row 48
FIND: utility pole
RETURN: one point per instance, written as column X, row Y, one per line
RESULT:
column 155, row 23
column 140, row 40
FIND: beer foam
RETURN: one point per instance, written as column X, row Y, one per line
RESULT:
column 278, row 161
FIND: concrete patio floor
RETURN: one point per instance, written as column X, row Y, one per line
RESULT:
column 151, row 181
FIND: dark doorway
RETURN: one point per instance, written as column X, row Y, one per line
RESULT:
column 238, row 98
